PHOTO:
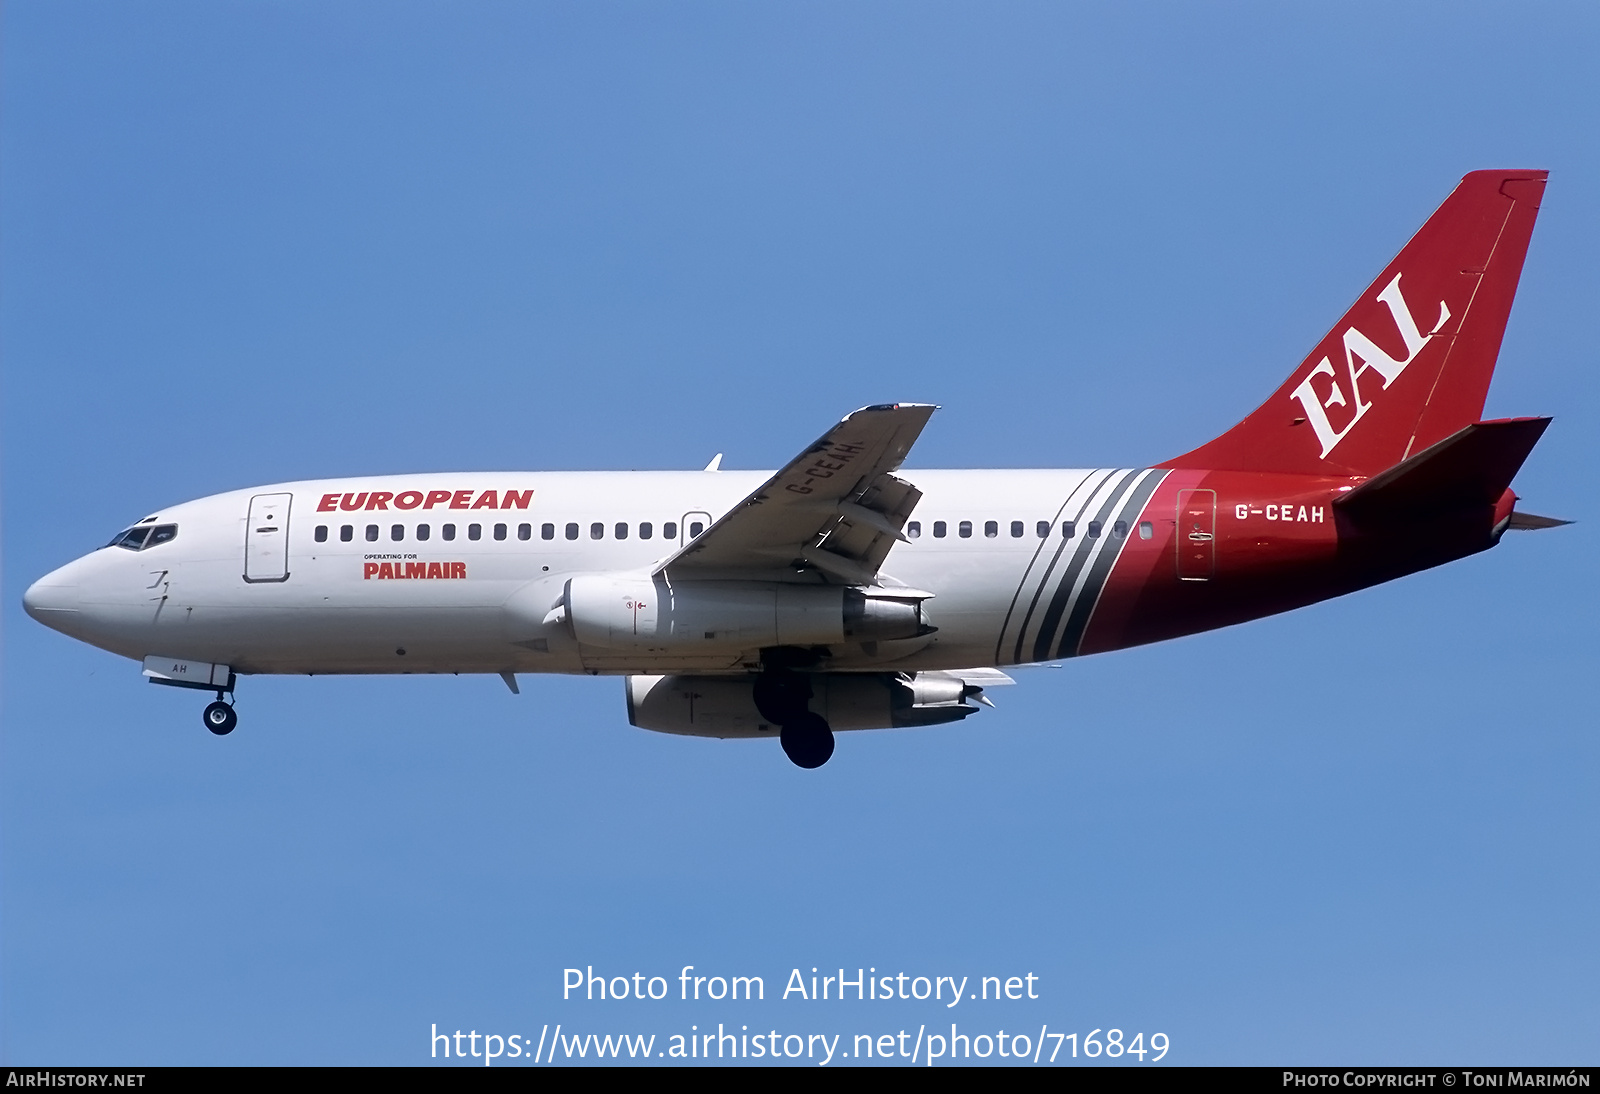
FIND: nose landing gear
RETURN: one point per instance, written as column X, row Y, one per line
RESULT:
column 178, row 672
column 220, row 718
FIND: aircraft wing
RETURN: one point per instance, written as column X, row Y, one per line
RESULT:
column 836, row 508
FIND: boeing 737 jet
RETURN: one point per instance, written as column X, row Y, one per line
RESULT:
column 843, row 591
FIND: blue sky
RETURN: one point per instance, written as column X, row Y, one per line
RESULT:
column 253, row 242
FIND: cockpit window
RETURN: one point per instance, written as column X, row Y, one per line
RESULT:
column 132, row 539
column 142, row 537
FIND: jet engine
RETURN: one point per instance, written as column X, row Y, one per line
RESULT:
column 724, row 706
column 641, row 613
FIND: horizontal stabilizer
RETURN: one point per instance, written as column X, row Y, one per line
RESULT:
column 1533, row 522
column 1471, row 467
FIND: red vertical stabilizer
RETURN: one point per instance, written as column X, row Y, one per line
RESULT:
column 1409, row 364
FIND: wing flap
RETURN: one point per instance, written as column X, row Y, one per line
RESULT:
column 836, row 509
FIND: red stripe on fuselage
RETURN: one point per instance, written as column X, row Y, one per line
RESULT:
column 1280, row 542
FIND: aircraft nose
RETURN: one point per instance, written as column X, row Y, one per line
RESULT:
column 53, row 599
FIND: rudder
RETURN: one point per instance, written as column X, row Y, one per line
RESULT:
column 1409, row 363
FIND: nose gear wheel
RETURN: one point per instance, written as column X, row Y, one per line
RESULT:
column 220, row 718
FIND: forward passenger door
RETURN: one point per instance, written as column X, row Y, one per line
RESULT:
column 266, row 538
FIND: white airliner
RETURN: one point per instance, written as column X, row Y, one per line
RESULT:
column 842, row 592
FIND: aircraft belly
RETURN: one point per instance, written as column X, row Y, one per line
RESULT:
column 611, row 663
column 327, row 639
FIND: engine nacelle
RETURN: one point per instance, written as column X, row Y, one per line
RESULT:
column 641, row 613
column 723, row 706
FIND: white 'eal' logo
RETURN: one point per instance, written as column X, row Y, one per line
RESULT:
column 1358, row 346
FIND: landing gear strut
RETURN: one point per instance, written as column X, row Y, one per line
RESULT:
column 782, row 696
column 220, row 718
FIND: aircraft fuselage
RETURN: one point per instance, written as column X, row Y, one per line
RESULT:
column 334, row 576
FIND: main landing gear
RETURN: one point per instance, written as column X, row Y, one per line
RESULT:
column 220, row 717
column 782, row 695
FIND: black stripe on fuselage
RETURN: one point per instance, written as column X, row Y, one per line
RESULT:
column 1094, row 477
column 1087, row 546
column 1095, row 583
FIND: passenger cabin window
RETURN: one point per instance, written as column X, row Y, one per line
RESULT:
column 965, row 528
column 321, row 535
column 1094, row 529
column 372, row 533
column 695, row 528
column 669, row 530
column 346, row 533
column 448, row 531
column 1069, row 528
column 547, row 531
column 1146, row 529
column 914, row 529
column 597, row 530
column 572, row 531
column 938, row 529
column 424, row 531
column 397, row 532
column 622, row 530
column 991, row 528
column 1016, row 529
column 1043, row 528
column 499, row 531
column 524, row 531
column 646, row 529
column 474, row 531
column 1120, row 529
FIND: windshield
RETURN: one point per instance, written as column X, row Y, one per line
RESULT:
column 142, row 537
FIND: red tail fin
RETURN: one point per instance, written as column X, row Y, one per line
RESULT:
column 1410, row 362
